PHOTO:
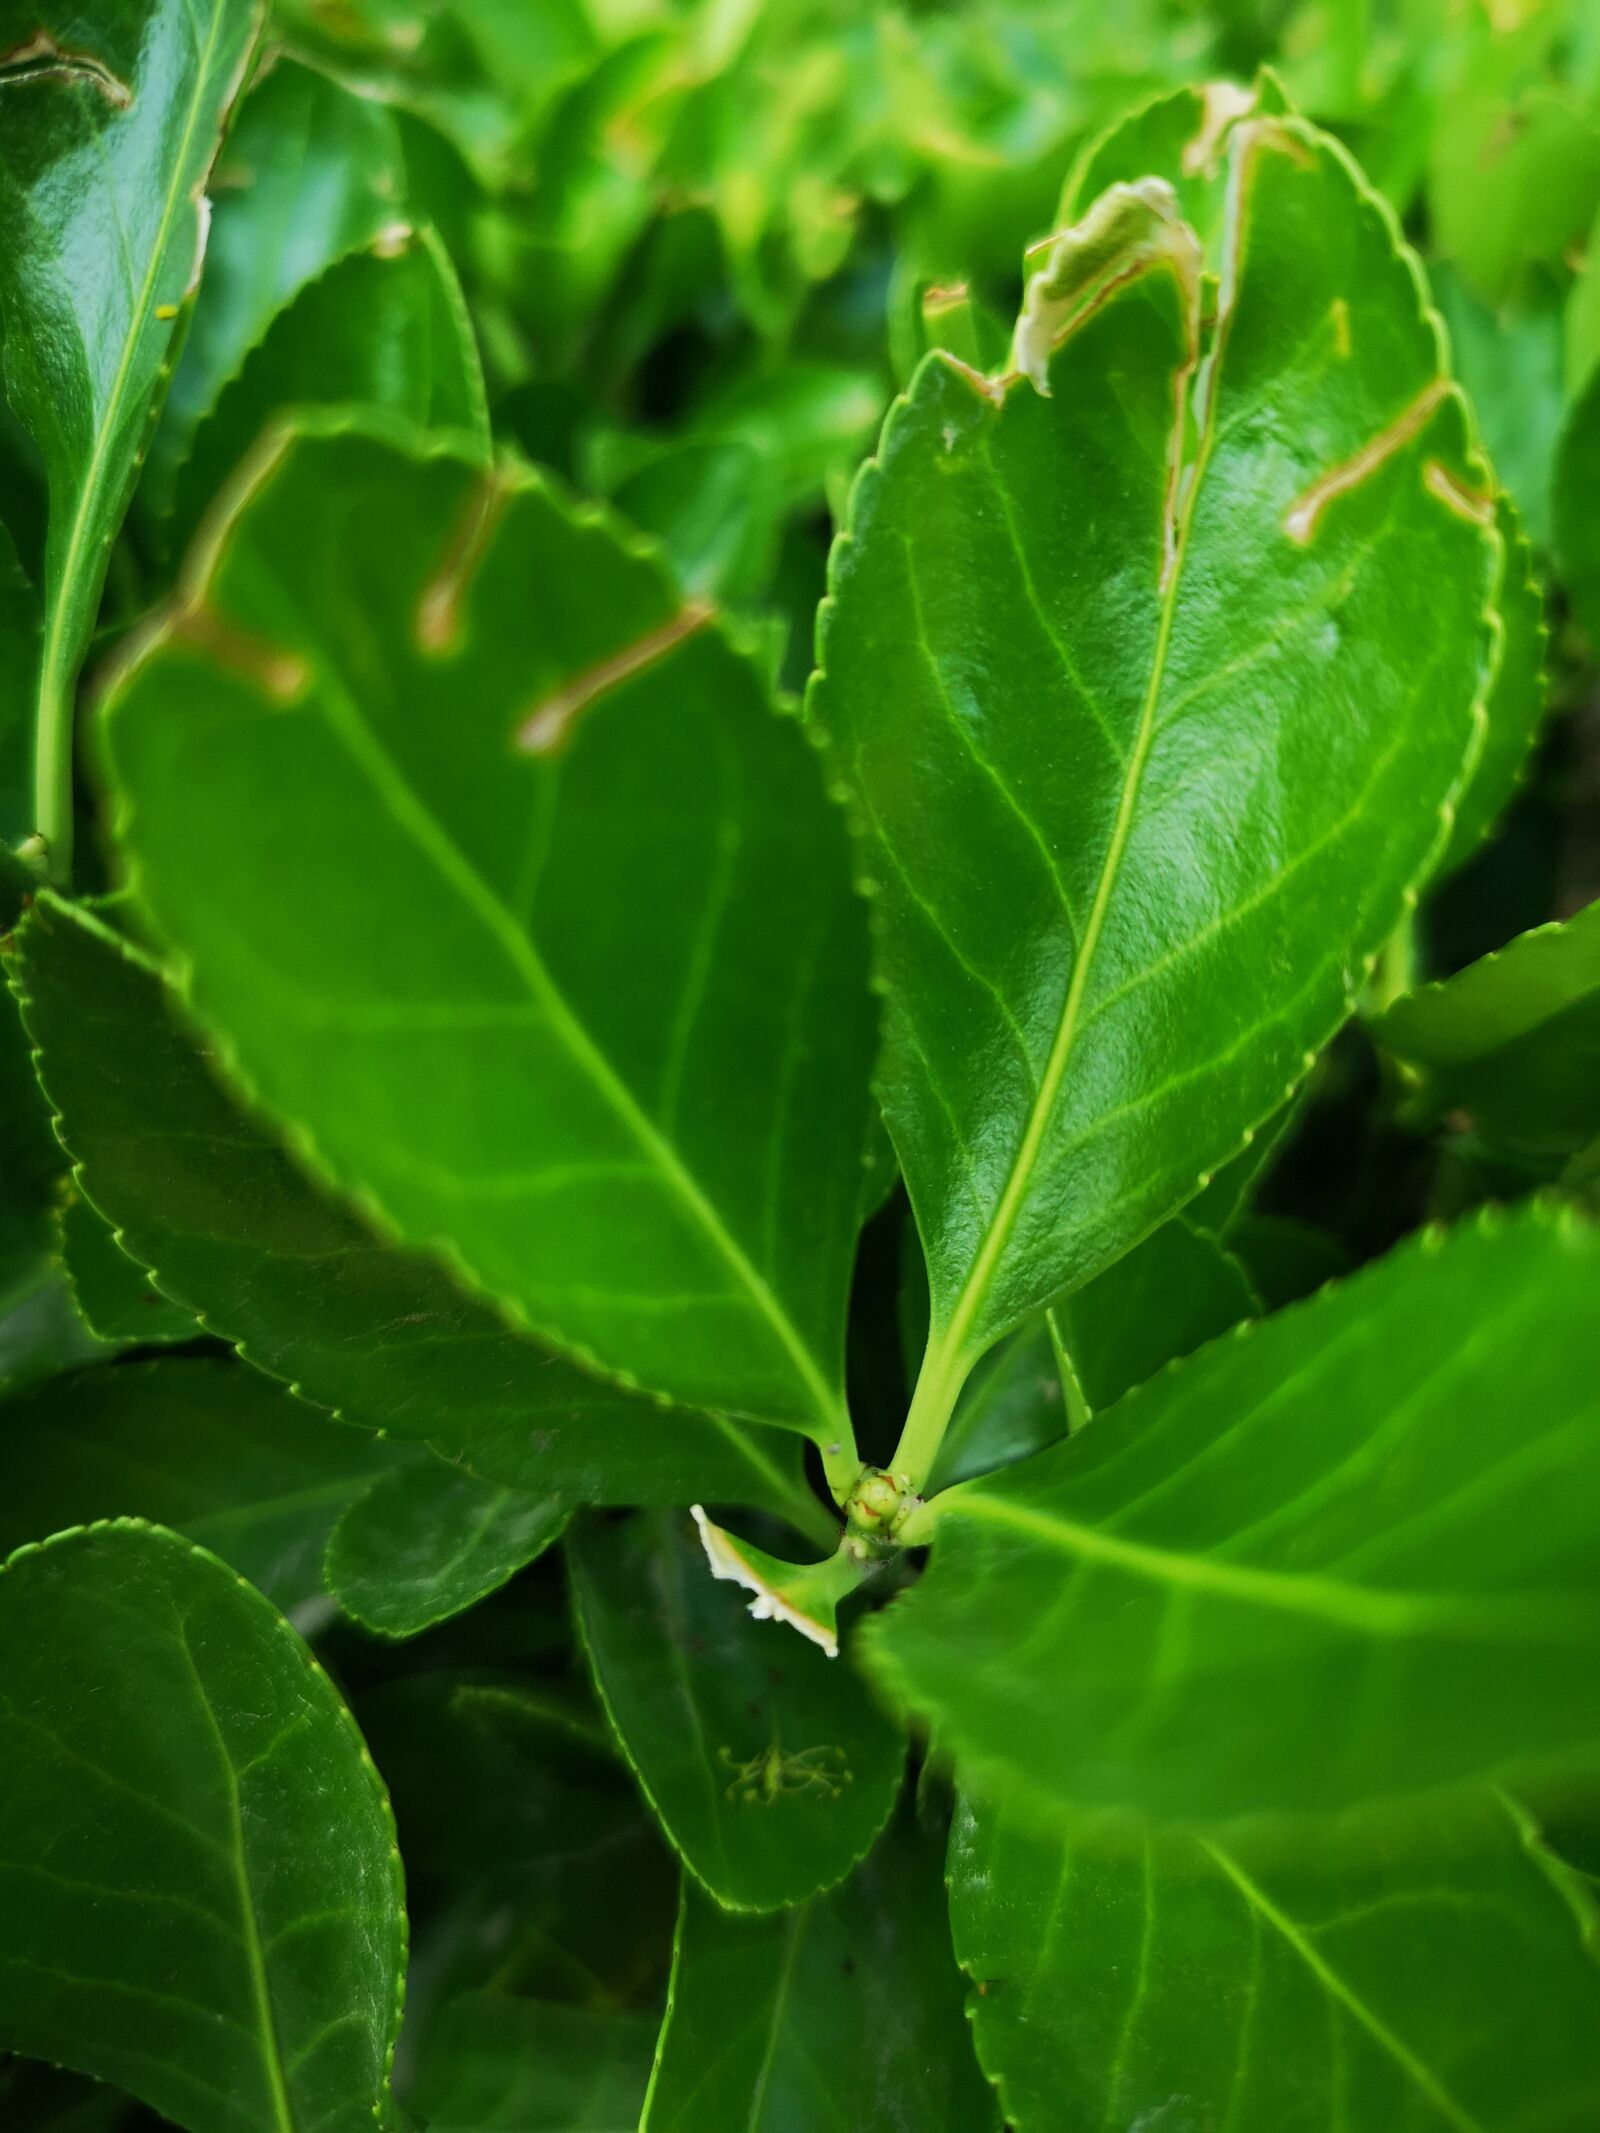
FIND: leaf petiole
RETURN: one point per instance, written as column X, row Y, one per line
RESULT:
column 944, row 1371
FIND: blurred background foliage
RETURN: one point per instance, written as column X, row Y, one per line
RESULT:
column 697, row 237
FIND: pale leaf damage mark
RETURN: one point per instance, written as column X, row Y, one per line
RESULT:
column 1222, row 104
column 43, row 59
column 1475, row 505
column 547, row 725
column 991, row 389
column 1339, row 313
column 1306, row 512
column 281, row 676
column 1128, row 231
column 769, row 1605
column 437, row 623
column 202, row 237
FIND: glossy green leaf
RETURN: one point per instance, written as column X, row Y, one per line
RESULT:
column 1019, row 1398
column 384, row 328
column 1508, row 357
column 1180, row 138
column 769, row 1765
column 1577, row 525
column 1514, row 1039
column 1515, row 705
column 110, row 127
column 203, row 1895
column 215, row 1451
column 502, row 2065
column 430, row 1540
column 1169, row 1296
column 1231, row 1191
column 608, row 911
column 1145, row 782
column 115, row 1295
column 205, row 1195
column 1344, row 1557
column 841, row 2015
column 309, row 172
column 1419, row 1987
column 42, row 1330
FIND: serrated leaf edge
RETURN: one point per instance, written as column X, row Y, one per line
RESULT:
column 383, row 2108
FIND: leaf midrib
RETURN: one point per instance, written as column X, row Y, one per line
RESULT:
column 284, row 2120
column 1020, row 1176
column 1372, row 1611
column 50, row 659
column 1420, row 2075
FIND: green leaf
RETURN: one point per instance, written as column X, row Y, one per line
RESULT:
column 42, row 1331
column 1144, row 783
column 499, row 2065
column 1285, row 1260
column 207, row 1447
column 110, row 129
column 430, row 1540
column 1020, row 1397
column 1346, row 1556
column 1512, row 180
column 1182, row 138
column 114, row 1294
column 384, row 329
column 309, row 172
column 1509, row 360
column 1515, row 705
column 203, row 1892
column 31, row 1161
column 1170, row 1294
column 1168, row 1297
column 608, row 923
column 1340, row 1982
column 19, row 655
column 556, row 1883
column 1577, row 527
column 1228, row 1197
column 1581, row 326
column 1513, row 1040
column 769, row 1765
column 203, row 1194
column 842, row 2014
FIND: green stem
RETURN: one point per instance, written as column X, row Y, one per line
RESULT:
column 841, row 1463
column 944, row 1371
column 1396, row 972
column 52, row 765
